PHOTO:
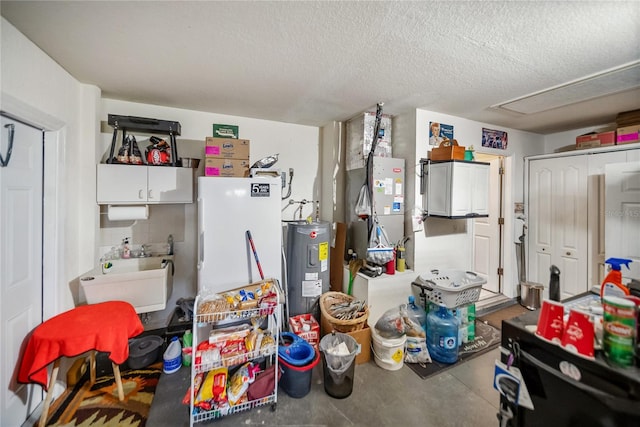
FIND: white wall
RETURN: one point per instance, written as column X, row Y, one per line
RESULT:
column 38, row 91
column 447, row 243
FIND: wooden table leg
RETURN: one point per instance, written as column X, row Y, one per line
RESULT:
column 92, row 367
column 116, row 374
column 47, row 400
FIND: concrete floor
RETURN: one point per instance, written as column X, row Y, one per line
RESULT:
column 460, row 396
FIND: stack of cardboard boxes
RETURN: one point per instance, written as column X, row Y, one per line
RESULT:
column 627, row 132
column 226, row 154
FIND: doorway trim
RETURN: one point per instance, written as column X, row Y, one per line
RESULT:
column 499, row 200
column 53, row 196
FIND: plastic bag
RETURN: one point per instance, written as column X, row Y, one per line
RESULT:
column 390, row 324
column 363, row 203
column 340, row 351
column 417, row 351
column 380, row 251
column 266, row 162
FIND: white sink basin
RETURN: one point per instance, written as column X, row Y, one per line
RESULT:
column 145, row 283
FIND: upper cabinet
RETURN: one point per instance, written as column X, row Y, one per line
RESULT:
column 135, row 184
column 455, row 188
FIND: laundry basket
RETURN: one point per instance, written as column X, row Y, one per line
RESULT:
column 450, row 288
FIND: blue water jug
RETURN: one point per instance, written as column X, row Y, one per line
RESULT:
column 442, row 335
column 417, row 313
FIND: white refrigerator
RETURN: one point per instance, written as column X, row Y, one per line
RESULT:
column 227, row 209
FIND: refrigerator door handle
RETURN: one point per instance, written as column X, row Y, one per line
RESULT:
column 201, row 249
column 201, row 236
column 615, row 403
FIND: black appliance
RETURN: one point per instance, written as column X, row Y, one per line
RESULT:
column 567, row 389
column 143, row 124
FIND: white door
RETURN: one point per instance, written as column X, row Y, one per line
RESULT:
column 20, row 263
column 597, row 213
column 558, row 222
column 622, row 214
column 486, row 232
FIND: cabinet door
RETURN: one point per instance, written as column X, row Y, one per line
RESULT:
column 169, row 185
column 622, row 223
column 438, row 195
column 121, row 184
column 480, row 189
column 461, row 188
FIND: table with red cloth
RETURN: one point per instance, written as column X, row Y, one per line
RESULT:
column 104, row 327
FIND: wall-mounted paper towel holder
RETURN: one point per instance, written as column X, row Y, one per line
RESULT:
column 127, row 212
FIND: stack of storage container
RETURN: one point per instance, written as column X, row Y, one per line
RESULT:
column 227, row 155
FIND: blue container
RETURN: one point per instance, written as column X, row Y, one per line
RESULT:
column 296, row 351
column 442, row 335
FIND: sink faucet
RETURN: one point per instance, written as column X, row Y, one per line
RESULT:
column 143, row 251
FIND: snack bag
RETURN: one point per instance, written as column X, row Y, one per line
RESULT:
column 159, row 152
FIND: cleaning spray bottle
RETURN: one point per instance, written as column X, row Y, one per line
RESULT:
column 612, row 283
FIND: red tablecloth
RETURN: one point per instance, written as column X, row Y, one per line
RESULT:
column 105, row 327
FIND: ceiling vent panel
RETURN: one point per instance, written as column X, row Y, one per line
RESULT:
column 615, row 80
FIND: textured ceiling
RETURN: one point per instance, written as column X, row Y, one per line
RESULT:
column 314, row 62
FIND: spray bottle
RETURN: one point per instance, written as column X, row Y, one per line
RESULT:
column 612, row 283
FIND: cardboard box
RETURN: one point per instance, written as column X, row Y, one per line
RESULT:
column 227, row 148
column 628, row 134
column 363, row 337
column 226, row 167
column 306, row 327
column 225, row 131
column 450, row 152
column 596, row 139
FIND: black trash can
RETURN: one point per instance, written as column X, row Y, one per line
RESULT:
column 338, row 363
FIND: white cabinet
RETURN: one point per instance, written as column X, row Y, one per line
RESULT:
column 133, row 184
column 381, row 293
column 456, row 189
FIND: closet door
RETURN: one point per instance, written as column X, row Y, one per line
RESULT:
column 622, row 216
column 558, row 222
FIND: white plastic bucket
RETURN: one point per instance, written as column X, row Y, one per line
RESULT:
column 388, row 352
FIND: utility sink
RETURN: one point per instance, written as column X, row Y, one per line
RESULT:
column 146, row 283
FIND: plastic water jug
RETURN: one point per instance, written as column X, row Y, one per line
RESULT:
column 416, row 313
column 172, row 358
column 416, row 344
column 442, row 335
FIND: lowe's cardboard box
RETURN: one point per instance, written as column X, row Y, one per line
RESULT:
column 227, row 148
column 628, row 134
column 226, row 167
column 594, row 139
column 363, row 337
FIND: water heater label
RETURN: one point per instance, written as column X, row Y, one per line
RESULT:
column 323, row 252
column 311, row 288
column 260, row 189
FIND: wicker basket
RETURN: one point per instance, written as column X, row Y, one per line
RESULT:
column 328, row 299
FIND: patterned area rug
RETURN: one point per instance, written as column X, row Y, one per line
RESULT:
column 97, row 405
column 487, row 338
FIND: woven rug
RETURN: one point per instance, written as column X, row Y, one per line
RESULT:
column 97, row 405
column 487, row 338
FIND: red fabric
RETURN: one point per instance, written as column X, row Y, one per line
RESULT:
column 105, row 327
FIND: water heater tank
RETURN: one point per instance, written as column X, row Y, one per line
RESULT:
column 307, row 266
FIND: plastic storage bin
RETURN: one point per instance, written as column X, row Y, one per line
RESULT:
column 296, row 380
